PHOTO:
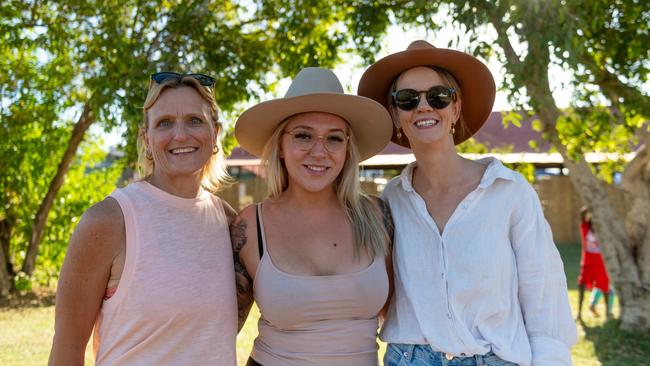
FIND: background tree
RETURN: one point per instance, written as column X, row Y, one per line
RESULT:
column 67, row 65
column 605, row 46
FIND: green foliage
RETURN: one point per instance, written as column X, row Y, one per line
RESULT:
column 91, row 178
column 472, row 146
column 596, row 130
column 22, row 282
column 511, row 117
column 61, row 57
column 34, row 160
column 605, row 45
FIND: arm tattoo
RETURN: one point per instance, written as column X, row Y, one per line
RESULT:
column 243, row 280
column 388, row 222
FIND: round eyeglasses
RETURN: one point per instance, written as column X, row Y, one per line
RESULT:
column 305, row 140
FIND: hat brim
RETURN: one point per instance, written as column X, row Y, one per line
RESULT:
column 475, row 80
column 369, row 121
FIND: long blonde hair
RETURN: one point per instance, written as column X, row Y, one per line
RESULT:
column 370, row 233
column 214, row 175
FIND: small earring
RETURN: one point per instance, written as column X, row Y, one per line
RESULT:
column 216, row 150
column 148, row 155
column 453, row 129
column 399, row 132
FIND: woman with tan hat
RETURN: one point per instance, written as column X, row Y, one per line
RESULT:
column 317, row 248
column 478, row 280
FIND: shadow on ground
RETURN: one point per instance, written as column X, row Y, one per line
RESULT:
column 32, row 299
column 615, row 347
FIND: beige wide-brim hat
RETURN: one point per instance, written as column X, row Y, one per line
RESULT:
column 476, row 82
column 316, row 90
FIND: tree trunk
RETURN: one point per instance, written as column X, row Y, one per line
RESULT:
column 635, row 307
column 618, row 249
column 635, row 300
column 6, row 228
column 636, row 185
column 78, row 132
column 6, row 283
column 6, row 265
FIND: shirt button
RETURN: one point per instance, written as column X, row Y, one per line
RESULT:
column 449, row 356
column 406, row 354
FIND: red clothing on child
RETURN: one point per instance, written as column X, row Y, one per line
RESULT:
column 592, row 267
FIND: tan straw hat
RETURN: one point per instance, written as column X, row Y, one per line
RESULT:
column 316, row 90
column 475, row 80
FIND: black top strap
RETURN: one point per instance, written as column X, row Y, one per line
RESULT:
column 260, row 246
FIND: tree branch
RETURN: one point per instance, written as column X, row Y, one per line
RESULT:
column 502, row 38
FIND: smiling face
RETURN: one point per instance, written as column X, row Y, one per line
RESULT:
column 180, row 133
column 317, row 168
column 425, row 124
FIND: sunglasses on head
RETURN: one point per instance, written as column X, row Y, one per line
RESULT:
column 203, row 79
column 438, row 97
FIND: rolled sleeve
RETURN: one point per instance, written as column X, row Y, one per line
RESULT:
column 542, row 284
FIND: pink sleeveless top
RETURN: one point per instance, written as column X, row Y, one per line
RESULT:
column 318, row 320
column 175, row 303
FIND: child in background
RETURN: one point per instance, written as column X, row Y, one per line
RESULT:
column 593, row 275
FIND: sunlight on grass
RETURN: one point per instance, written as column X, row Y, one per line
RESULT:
column 26, row 332
column 26, row 336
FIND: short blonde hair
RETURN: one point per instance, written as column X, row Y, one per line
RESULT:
column 370, row 233
column 214, row 175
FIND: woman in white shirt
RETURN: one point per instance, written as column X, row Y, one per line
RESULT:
column 478, row 279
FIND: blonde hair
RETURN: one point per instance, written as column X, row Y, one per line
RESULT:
column 214, row 175
column 370, row 233
column 449, row 80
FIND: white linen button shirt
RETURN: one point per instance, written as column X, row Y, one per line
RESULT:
column 493, row 280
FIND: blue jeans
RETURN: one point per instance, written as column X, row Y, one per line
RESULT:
column 422, row 355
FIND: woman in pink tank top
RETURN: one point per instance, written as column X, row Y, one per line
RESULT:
column 149, row 269
column 317, row 249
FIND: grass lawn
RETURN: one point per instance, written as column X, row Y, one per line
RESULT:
column 26, row 328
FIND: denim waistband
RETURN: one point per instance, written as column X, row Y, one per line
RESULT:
column 411, row 351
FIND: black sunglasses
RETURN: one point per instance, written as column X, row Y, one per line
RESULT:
column 160, row 77
column 438, row 97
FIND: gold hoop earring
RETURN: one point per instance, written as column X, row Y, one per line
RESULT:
column 148, row 155
column 216, row 150
column 453, row 129
column 399, row 133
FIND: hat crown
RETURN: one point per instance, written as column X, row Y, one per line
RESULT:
column 419, row 45
column 314, row 80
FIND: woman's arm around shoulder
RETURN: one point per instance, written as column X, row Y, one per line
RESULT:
column 239, row 235
column 387, row 219
column 97, row 241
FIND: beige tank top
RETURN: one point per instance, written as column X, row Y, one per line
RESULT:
column 175, row 303
column 318, row 320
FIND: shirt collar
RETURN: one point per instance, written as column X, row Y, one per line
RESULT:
column 494, row 171
column 407, row 177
